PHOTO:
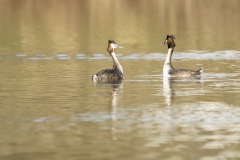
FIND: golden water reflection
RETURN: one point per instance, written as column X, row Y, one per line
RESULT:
column 140, row 26
column 51, row 109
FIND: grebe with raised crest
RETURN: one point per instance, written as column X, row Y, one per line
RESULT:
column 116, row 73
column 168, row 70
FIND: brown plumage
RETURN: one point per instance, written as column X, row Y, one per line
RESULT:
column 116, row 73
column 169, row 70
column 185, row 72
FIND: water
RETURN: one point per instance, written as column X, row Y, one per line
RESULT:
column 50, row 108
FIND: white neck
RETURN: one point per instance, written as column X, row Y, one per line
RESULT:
column 116, row 64
column 167, row 65
column 169, row 57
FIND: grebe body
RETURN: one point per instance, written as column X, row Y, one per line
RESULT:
column 169, row 70
column 116, row 73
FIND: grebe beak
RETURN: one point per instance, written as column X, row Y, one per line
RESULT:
column 119, row 47
column 164, row 42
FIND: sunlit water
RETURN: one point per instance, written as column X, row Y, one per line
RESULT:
column 51, row 109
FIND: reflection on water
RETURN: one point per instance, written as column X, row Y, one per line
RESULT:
column 108, row 81
column 51, row 109
column 115, row 97
column 82, row 27
column 193, row 55
column 169, row 91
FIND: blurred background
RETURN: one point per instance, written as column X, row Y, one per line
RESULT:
column 51, row 109
column 84, row 26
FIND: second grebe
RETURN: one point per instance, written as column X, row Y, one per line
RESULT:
column 116, row 73
column 168, row 70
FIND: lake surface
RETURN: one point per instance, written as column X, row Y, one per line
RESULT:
column 51, row 109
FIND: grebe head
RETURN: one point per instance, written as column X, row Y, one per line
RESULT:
column 170, row 41
column 112, row 45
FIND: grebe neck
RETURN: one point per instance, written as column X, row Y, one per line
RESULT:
column 116, row 64
column 168, row 65
column 169, row 57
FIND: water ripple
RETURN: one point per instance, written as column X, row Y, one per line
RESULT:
column 218, row 55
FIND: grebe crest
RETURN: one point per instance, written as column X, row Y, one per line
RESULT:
column 169, row 70
column 116, row 73
column 170, row 41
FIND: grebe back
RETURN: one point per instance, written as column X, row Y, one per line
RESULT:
column 169, row 70
column 116, row 73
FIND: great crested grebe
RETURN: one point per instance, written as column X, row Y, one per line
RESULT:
column 116, row 73
column 168, row 70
